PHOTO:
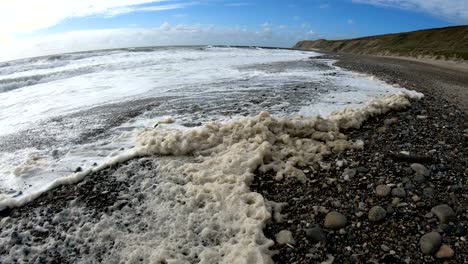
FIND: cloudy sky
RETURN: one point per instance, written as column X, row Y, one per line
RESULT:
column 32, row 28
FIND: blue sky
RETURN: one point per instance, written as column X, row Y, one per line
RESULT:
column 54, row 26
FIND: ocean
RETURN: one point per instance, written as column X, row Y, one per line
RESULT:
column 208, row 117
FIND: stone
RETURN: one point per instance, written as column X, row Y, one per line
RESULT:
column 335, row 220
column 385, row 248
column 444, row 212
column 420, row 169
column 348, row 174
column 284, row 237
column 416, row 198
column 428, row 192
column 445, row 251
column 430, row 243
column 382, row 190
column 418, row 178
column 376, row 214
column 399, row 192
column 316, row 234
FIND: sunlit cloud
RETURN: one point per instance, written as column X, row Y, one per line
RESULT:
column 23, row 16
column 450, row 10
column 163, row 35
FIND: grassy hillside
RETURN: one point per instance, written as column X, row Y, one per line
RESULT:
column 449, row 43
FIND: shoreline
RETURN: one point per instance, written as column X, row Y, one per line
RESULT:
column 102, row 194
column 432, row 128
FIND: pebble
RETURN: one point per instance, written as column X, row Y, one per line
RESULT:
column 416, row 198
column 284, row 237
column 418, row 178
column 335, row 220
column 377, row 213
column 430, row 243
column 316, row 234
column 444, row 212
column 383, row 190
column 348, row 174
column 428, row 192
column 399, row 192
column 385, row 248
column 445, row 251
column 420, row 169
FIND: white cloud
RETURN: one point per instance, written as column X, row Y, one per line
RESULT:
column 18, row 16
column 450, row 10
column 237, row 4
column 165, row 34
column 350, row 21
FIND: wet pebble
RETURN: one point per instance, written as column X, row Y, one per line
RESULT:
column 376, row 214
column 445, row 251
column 335, row 220
column 383, row 190
column 420, row 169
column 444, row 212
column 399, row 192
column 430, row 243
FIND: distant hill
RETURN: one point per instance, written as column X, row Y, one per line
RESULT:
column 450, row 43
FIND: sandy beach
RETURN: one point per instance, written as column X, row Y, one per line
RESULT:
column 433, row 131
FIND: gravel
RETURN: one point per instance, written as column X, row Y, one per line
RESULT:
column 436, row 142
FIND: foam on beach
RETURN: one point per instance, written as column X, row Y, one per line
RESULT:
column 202, row 208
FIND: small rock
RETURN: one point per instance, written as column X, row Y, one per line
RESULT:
column 430, row 243
column 284, row 237
column 399, row 192
column 335, row 220
column 444, row 212
column 376, row 214
column 383, row 190
column 385, row 248
column 420, row 169
column 348, row 174
column 418, row 178
column 429, row 215
column 445, row 251
column 428, row 192
column 416, row 198
column 316, row 234
column 459, row 230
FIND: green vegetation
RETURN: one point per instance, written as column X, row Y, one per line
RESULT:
column 449, row 43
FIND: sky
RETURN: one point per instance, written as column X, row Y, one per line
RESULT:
column 33, row 28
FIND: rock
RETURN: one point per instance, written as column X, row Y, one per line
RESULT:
column 418, row 178
column 445, row 251
column 428, row 192
column 416, row 198
column 376, row 214
column 348, row 174
column 399, row 192
column 385, row 248
column 316, row 234
column 382, row 190
column 284, row 237
column 459, row 230
column 444, row 212
column 420, row 169
column 430, row 243
column 335, row 220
